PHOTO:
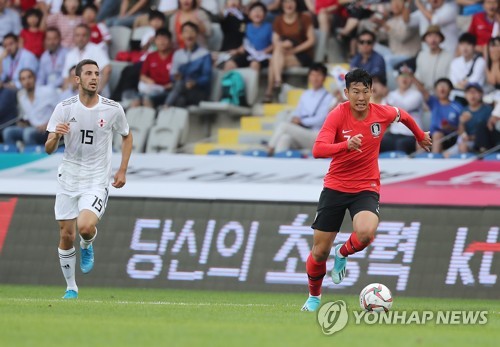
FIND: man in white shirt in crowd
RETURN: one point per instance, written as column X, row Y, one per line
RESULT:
column 52, row 60
column 301, row 131
column 35, row 107
column 10, row 20
column 84, row 49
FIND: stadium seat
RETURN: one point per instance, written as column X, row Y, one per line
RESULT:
column 8, row 149
column 426, row 155
column 175, row 118
column 116, row 71
column 492, row 156
column 255, row 153
column 462, row 156
column 142, row 114
column 392, row 155
column 34, row 149
column 139, row 119
column 288, row 154
column 120, row 39
column 139, row 32
column 222, row 152
column 162, row 139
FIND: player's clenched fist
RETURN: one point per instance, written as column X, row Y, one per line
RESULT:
column 62, row 128
column 354, row 143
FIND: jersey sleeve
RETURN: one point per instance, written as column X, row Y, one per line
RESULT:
column 121, row 125
column 56, row 118
column 325, row 146
column 405, row 118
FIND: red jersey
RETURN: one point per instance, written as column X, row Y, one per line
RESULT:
column 33, row 41
column 481, row 27
column 353, row 171
column 157, row 68
column 321, row 4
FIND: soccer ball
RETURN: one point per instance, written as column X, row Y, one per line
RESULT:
column 375, row 297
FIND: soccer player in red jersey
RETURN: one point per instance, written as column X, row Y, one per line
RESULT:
column 351, row 136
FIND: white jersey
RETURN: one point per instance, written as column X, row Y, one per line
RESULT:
column 87, row 157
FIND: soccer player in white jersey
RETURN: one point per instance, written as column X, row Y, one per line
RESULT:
column 87, row 122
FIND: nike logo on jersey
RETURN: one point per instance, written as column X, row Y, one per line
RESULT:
column 72, row 120
column 346, row 131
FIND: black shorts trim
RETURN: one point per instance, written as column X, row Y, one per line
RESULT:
column 333, row 204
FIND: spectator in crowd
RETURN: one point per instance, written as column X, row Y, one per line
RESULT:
column 488, row 133
column 379, row 90
column 36, row 104
column 367, row 58
column 52, row 61
column 444, row 114
column 475, row 113
column 399, row 137
column 481, row 25
column 324, row 11
column 191, row 70
column 441, row 13
column 273, row 8
column 470, row 7
column 70, row 87
column 23, row 5
column 257, row 43
column 84, row 49
column 293, row 44
column 32, row 36
column 167, row 7
column 156, row 22
column 188, row 11
column 15, row 60
column 50, row 6
column 493, row 63
column 8, row 107
column 314, row 104
column 99, row 33
column 66, row 21
column 108, row 9
column 233, row 26
column 434, row 63
column 129, row 11
column 155, row 82
column 10, row 21
column 468, row 67
column 211, row 7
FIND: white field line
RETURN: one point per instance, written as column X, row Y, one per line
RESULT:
column 121, row 302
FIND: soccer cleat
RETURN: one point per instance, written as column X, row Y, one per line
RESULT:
column 87, row 259
column 70, row 294
column 312, row 303
column 339, row 268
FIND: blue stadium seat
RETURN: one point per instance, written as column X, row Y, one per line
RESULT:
column 255, row 153
column 34, row 149
column 462, row 156
column 392, row 155
column 222, row 152
column 8, row 149
column 426, row 155
column 288, row 154
column 492, row 156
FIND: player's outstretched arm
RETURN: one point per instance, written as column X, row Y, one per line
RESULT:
column 120, row 176
column 53, row 139
column 423, row 138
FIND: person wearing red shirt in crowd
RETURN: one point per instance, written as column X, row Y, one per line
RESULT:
column 155, row 84
column 351, row 136
column 99, row 32
column 482, row 24
column 32, row 36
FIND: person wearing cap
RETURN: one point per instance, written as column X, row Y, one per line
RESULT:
column 441, row 13
column 399, row 137
column 474, row 114
column 468, row 67
column 434, row 63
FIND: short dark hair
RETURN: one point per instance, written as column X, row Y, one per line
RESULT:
column 367, row 32
column 193, row 6
column 155, row 14
column 78, row 10
column 191, row 25
column 468, row 38
column 80, row 65
column 27, row 69
column 53, row 29
column 163, row 32
column 319, row 67
column 12, row 36
column 444, row 80
column 32, row 12
column 90, row 7
column 358, row 76
column 84, row 26
column 257, row 4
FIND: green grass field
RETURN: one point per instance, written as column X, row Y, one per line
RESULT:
column 35, row 316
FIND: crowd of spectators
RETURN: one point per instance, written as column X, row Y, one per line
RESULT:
column 437, row 59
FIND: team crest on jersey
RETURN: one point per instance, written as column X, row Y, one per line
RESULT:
column 376, row 129
column 101, row 123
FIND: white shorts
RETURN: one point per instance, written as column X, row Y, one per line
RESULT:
column 69, row 204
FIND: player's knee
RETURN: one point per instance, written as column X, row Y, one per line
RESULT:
column 320, row 253
column 67, row 236
column 366, row 235
column 87, row 231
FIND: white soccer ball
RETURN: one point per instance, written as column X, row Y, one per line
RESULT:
column 375, row 297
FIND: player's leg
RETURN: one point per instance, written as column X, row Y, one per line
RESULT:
column 364, row 210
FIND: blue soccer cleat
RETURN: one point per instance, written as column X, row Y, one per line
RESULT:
column 339, row 268
column 70, row 294
column 87, row 259
column 312, row 303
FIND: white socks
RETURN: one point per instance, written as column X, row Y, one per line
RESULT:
column 86, row 243
column 67, row 258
